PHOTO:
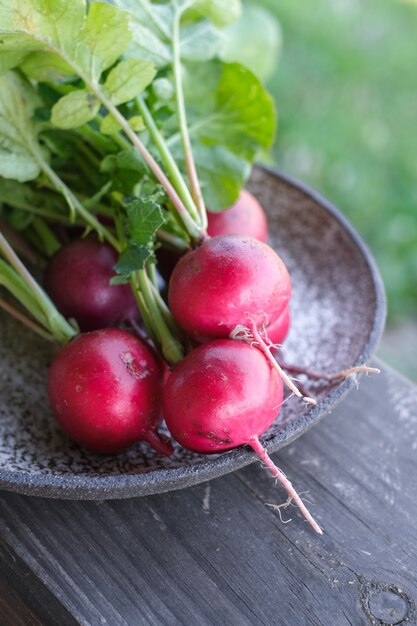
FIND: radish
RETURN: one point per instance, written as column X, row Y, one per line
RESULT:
column 278, row 329
column 78, row 281
column 246, row 217
column 226, row 281
column 104, row 388
column 223, row 395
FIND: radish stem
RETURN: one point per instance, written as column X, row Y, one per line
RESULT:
column 21, row 317
column 168, row 159
column 182, row 118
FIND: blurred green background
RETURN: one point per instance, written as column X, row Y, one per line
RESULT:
column 345, row 85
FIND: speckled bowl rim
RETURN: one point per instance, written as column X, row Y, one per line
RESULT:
column 159, row 481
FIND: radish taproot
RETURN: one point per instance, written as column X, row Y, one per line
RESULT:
column 224, row 281
column 223, row 395
column 104, row 388
column 246, row 217
column 78, row 281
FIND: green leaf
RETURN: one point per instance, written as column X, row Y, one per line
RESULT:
column 109, row 126
column 199, row 41
column 103, row 40
column 136, row 123
column 75, row 109
column 128, row 79
column 148, row 45
column 88, row 43
column 144, row 218
column 158, row 17
column 16, row 194
column 36, row 24
column 163, row 89
column 255, row 41
column 9, row 59
column 46, row 67
column 119, row 280
column 222, row 175
column 227, row 106
column 132, row 259
column 18, row 131
column 221, row 13
column 126, row 159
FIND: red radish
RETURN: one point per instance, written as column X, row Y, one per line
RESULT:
column 226, row 281
column 104, row 388
column 78, row 281
column 278, row 329
column 223, row 395
column 246, row 217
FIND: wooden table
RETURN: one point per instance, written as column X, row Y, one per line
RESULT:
column 215, row 554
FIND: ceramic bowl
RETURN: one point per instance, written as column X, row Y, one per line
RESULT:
column 338, row 311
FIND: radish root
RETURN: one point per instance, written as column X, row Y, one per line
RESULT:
column 251, row 335
column 283, row 480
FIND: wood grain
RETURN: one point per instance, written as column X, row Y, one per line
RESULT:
column 215, row 554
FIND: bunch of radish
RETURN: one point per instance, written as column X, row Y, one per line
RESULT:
column 129, row 143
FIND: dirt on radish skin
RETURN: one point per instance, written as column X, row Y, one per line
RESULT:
column 104, row 388
column 223, row 395
column 225, row 281
column 246, row 217
column 78, row 281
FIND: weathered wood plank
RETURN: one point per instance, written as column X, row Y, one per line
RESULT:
column 24, row 599
column 215, row 554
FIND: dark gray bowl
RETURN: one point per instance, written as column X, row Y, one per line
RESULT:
column 338, row 311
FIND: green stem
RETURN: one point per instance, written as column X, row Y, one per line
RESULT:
column 182, row 118
column 172, row 240
column 153, row 277
column 143, row 310
column 76, row 205
column 26, row 321
column 50, row 243
column 168, row 159
column 19, row 290
column 170, row 346
column 166, row 313
column 193, row 229
column 21, row 284
column 20, row 244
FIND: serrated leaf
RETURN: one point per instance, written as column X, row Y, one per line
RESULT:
column 18, row 131
column 75, row 109
column 132, row 259
column 128, row 79
column 144, row 218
